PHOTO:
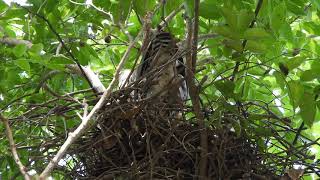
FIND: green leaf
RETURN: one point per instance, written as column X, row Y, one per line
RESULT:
column 230, row 16
column 316, row 3
column 255, row 46
column 255, row 34
column 286, row 32
column 280, row 79
column 296, row 91
column 91, row 51
column 278, row 17
column 60, row 59
column 143, row 6
column 82, row 55
column 244, row 19
column 234, row 44
column 3, row 6
column 316, row 90
column 189, row 5
column 120, row 10
column 226, row 31
column 19, row 50
column 23, row 64
column 315, row 66
column 308, row 109
column 36, row 48
column 226, row 88
column 206, row 9
column 51, row 5
column 265, row 132
column 9, row 32
column 172, row 5
column 295, row 8
column 295, row 62
column 309, row 75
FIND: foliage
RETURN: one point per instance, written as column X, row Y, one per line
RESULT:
column 278, row 64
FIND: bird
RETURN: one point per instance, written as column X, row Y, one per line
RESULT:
column 163, row 69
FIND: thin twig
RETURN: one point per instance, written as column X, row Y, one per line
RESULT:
column 22, row 168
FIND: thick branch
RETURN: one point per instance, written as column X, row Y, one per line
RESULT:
column 14, row 42
column 22, row 168
column 92, row 77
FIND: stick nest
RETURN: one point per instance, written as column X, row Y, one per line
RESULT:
column 148, row 139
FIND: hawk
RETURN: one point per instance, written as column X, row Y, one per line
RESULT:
column 163, row 68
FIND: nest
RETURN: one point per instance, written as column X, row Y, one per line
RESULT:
column 153, row 140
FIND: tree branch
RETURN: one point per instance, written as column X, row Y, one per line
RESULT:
column 85, row 121
column 14, row 42
column 191, row 59
column 22, row 168
column 92, row 77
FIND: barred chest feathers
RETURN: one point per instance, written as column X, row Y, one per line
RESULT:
column 162, row 58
